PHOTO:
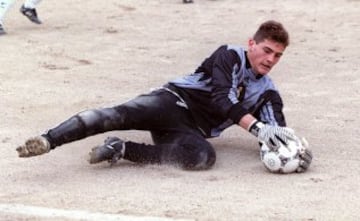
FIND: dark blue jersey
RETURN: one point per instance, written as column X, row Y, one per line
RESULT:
column 223, row 89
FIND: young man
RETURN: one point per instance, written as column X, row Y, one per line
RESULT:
column 229, row 87
column 27, row 9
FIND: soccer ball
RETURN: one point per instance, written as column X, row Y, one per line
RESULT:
column 286, row 159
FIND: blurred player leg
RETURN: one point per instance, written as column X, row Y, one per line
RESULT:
column 28, row 9
column 5, row 5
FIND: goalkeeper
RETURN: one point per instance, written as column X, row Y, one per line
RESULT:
column 230, row 87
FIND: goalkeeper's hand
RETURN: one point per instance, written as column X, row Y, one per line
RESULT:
column 305, row 157
column 272, row 136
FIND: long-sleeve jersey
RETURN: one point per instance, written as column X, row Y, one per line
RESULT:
column 223, row 89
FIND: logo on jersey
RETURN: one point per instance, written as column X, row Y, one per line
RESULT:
column 241, row 92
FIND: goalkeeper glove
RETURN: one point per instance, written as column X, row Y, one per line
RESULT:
column 272, row 136
column 305, row 157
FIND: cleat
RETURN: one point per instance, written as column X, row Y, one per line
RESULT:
column 2, row 31
column 112, row 150
column 188, row 1
column 31, row 14
column 33, row 147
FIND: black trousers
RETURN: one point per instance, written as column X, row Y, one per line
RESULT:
column 177, row 140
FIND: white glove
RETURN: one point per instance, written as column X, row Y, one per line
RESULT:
column 305, row 157
column 272, row 136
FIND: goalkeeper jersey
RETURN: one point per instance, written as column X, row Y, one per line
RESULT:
column 222, row 90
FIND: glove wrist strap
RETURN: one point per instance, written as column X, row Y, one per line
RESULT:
column 255, row 126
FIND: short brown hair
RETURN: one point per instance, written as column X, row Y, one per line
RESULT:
column 272, row 30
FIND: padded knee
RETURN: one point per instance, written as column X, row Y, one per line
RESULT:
column 100, row 120
column 198, row 157
column 84, row 124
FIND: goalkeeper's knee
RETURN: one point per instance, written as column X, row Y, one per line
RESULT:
column 198, row 157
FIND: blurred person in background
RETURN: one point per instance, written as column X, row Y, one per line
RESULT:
column 27, row 9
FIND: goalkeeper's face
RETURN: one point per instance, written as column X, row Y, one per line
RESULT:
column 264, row 55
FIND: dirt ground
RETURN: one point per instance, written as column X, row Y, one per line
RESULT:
column 89, row 54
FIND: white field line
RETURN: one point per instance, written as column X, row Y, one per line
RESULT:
column 38, row 211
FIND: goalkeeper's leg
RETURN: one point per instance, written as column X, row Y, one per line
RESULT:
column 187, row 150
column 79, row 126
column 145, row 112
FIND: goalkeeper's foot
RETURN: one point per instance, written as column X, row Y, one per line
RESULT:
column 112, row 150
column 31, row 14
column 33, row 147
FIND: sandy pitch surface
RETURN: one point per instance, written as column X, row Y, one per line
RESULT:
column 88, row 55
